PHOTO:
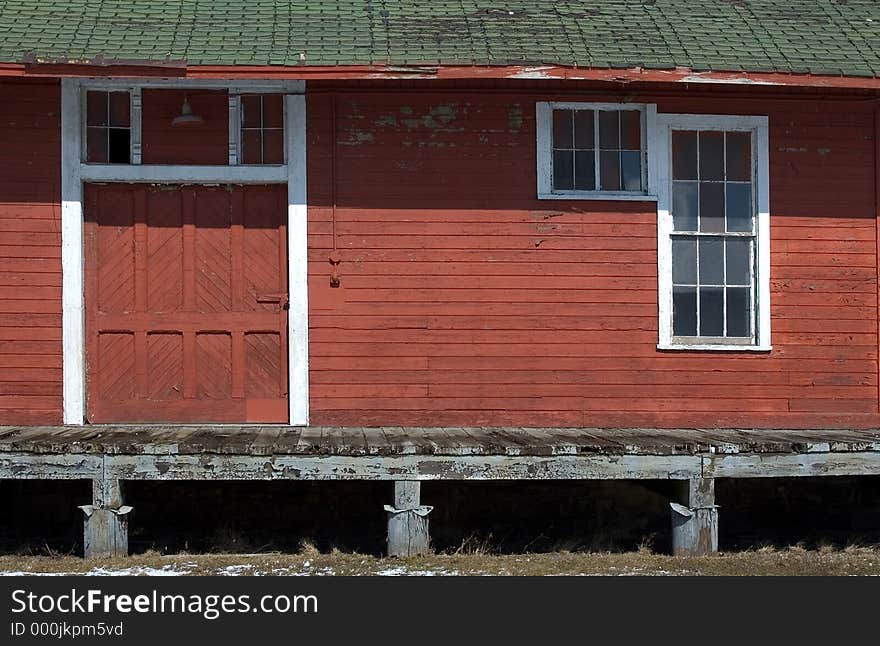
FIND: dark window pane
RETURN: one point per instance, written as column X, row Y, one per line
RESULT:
column 739, row 156
column 273, row 146
column 631, row 130
column 609, row 129
column 251, row 147
column 684, row 261
column 96, row 145
column 711, row 311
column 273, row 112
column 684, row 311
column 684, row 155
column 711, row 156
column 584, row 127
column 563, row 170
column 609, row 170
column 119, row 146
column 739, row 261
column 711, row 261
column 739, row 312
column 739, row 207
column 563, row 136
column 684, row 206
column 96, row 108
column 251, row 111
column 585, row 170
column 711, row 207
column 120, row 109
column 631, row 167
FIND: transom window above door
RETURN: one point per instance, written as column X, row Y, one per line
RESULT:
column 591, row 151
column 182, row 126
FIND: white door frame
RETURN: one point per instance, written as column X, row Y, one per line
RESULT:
column 74, row 172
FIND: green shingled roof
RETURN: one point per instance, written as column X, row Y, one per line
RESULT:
column 839, row 37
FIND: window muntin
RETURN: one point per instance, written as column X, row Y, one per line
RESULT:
column 713, row 237
column 262, row 129
column 591, row 150
column 108, row 127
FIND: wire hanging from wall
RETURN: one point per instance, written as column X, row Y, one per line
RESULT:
column 334, row 258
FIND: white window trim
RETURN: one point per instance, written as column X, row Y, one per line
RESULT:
column 74, row 172
column 544, row 136
column 660, row 169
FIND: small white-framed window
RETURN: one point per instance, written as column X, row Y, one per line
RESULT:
column 713, row 226
column 593, row 150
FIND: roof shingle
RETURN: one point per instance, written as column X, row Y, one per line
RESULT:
column 838, row 37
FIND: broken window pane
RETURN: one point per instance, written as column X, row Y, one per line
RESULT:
column 684, row 311
column 711, row 311
column 119, row 146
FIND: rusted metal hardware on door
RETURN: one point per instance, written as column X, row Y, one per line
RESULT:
column 283, row 300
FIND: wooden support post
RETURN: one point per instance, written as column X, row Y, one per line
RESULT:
column 407, row 521
column 105, row 532
column 695, row 519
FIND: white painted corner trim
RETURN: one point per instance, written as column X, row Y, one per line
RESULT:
column 72, row 321
column 297, row 263
column 660, row 169
column 74, row 172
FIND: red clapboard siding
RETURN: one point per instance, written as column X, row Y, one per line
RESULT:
column 30, row 252
column 464, row 300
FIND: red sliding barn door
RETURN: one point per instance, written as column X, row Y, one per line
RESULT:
column 186, row 303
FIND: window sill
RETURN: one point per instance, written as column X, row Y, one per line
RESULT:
column 608, row 197
column 714, row 347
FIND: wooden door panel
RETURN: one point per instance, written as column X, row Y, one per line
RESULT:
column 185, row 296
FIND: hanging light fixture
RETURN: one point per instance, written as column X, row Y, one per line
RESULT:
column 186, row 116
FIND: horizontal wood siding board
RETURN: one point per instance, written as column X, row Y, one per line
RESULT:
column 465, row 299
column 30, row 252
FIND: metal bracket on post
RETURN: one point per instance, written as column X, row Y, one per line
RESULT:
column 408, row 521
column 695, row 523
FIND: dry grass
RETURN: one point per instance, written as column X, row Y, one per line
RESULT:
column 471, row 560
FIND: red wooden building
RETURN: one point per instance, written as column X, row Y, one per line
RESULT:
column 547, row 215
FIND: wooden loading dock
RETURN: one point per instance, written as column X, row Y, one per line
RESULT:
column 110, row 455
